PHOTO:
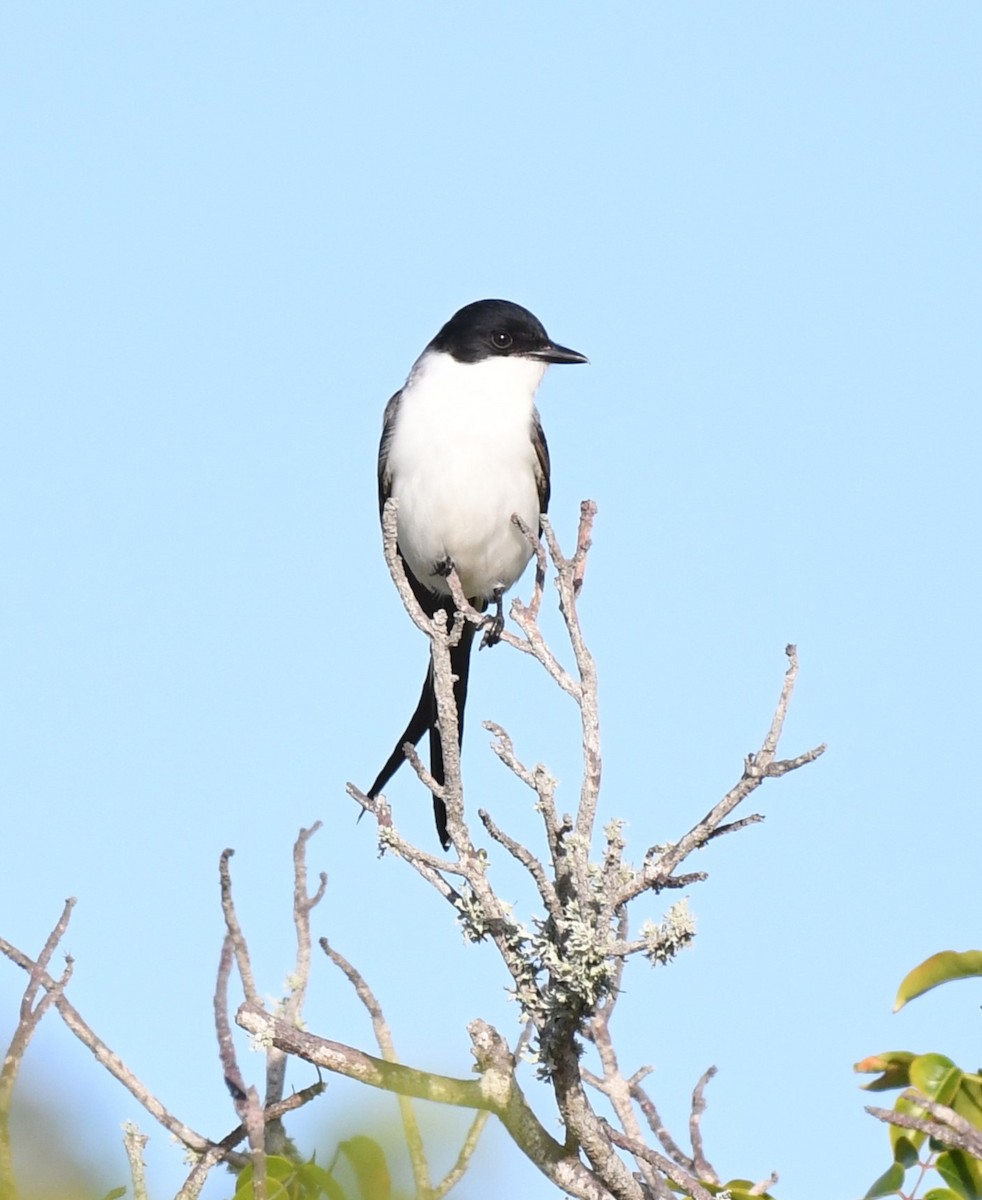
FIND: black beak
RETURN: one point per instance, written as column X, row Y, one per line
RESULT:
column 551, row 353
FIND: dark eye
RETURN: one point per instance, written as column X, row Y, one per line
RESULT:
column 501, row 339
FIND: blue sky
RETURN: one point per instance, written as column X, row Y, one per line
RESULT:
column 228, row 231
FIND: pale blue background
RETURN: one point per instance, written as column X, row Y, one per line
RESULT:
column 228, row 229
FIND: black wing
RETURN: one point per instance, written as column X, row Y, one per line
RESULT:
column 429, row 601
column 384, row 474
column 541, row 463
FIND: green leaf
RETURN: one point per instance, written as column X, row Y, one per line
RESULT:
column 939, row 968
column 906, row 1143
column 895, row 1067
column 936, row 1076
column 279, row 1176
column 941, row 1194
column 367, row 1160
column 115, row 1194
column 968, row 1102
column 889, row 1182
column 961, row 1172
column 278, row 1167
column 316, row 1181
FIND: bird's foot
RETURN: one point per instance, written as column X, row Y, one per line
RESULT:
column 494, row 626
column 443, row 566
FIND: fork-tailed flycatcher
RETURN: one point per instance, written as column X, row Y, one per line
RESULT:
column 462, row 450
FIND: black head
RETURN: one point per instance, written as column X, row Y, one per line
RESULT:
column 497, row 329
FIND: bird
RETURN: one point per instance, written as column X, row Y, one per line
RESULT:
column 462, row 450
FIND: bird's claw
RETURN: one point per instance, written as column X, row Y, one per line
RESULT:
column 494, row 626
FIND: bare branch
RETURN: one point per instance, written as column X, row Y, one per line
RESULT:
column 463, row 1160
column 505, row 750
column 422, row 773
column 769, row 748
column 292, row 1009
column 430, row 866
column 688, row 1183
column 397, row 569
column 584, row 540
column 701, row 1164
column 613, row 1084
column 948, row 1127
column 735, row 826
column 491, row 1092
column 765, row 1185
column 535, row 645
column 457, row 1171
column 569, row 579
column 30, row 1017
column 135, row 1143
column 110, row 1060
column 541, row 565
column 657, row 1125
column 660, row 866
column 383, row 1035
column 223, row 1150
column 528, row 860
column 254, row 1120
column 231, row 1073
column 235, row 934
column 31, row 1013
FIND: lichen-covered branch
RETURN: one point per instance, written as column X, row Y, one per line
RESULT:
column 496, row 1089
column 566, row 963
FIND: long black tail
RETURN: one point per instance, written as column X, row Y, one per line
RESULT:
column 424, row 719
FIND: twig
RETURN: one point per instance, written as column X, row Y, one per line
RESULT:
column 231, row 1073
column 701, row 1164
column 658, row 870
column 430, row 866
column 735, row 826
column 31, row 1013
column 765, row 1185
column 254, row 1120
column 383, row 1035
column 292, row 1007
column 655, row 1123
column 223, row 1150
column 108, row 1058
column 245, row 1097
column 689, row 1184
column 613, row 1084
column 948, row 1127
column 235, row 934
column 459, row 1168
column 135, row 1143
column 541, row 565
column 503, row 747
column 463, row 1160
column 528, row 860
column 30, row 1017
column 584, row 540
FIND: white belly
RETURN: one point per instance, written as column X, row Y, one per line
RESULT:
column 462, row 462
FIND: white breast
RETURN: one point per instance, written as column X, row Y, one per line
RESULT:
column 462, row 461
